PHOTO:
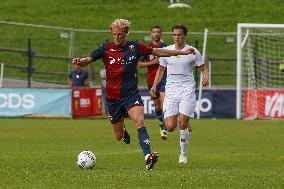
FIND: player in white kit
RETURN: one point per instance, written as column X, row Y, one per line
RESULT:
column 180, row 101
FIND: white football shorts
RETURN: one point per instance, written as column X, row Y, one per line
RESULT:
column 183, row 102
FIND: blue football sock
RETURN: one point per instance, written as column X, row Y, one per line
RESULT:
column 160, row 116
column 144, row 140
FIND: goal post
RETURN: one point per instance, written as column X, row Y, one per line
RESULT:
column 260, row 71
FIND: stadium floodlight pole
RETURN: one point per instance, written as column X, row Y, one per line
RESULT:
column 1, row 77
column 200, row 79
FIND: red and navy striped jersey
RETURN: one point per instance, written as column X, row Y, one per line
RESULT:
column 120, row 63
column 151, row 73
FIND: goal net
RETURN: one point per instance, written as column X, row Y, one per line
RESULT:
column 260, row 71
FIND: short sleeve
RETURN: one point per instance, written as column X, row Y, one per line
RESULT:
column 98, row 53
column 70, row 75
column 198, row 58
column 163, row 61
column 144, row 50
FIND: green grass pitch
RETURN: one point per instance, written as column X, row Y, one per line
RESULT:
column 41, row 153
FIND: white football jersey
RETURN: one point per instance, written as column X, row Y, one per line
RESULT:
column 180, row 69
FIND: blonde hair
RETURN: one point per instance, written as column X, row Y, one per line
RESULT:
column 122, row 23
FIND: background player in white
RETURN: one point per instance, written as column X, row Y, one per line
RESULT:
column 180, row 101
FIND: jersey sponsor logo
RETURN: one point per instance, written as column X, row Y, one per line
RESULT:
column 114, row 60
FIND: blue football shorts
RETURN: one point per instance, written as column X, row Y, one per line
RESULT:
column 119, row 108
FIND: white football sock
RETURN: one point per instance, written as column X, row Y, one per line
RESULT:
column 184, row 139
column 146, row 157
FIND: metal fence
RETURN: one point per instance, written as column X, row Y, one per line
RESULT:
column 45, row 52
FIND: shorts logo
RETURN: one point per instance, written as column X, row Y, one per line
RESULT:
column 136, row 102
column 147, row 141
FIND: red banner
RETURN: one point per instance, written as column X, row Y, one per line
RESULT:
column 263, row 104
column 86, row 102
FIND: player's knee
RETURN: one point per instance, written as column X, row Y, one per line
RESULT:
column 183, row 125
column 139, row 122
column 171, row 127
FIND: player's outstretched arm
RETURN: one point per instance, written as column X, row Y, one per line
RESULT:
column 204, row 72
column 142, row 64
column 162, row 52
column 158, row 77
column 82, row 61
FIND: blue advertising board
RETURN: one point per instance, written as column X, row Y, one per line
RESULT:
column 214, row 103
column 36, row 102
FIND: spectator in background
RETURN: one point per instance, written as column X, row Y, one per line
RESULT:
column 77, row 77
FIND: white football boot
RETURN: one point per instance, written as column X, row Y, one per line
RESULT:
column 182, row 158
